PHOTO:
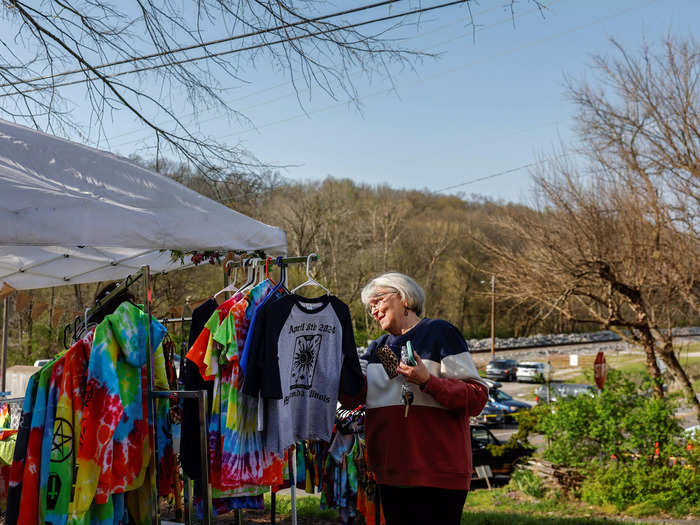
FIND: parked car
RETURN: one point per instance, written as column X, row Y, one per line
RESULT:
column 533, row 371
column 510, row 404
column 503, row 369
column 481, row 455
column 492, row 414
column 500, row 407
column 558, row 391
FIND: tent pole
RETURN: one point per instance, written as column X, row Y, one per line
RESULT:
column 155, row 506
column 5, row 317
column 204, row 459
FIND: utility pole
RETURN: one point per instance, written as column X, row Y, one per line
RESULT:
column 493, row 316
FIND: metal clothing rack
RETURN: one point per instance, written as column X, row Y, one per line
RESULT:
column 279, row 261
column 153, row 394
column 81, row 322
column 183, row 343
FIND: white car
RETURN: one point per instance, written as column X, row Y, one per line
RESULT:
column 533, row 371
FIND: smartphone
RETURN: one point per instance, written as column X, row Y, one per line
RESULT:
column 409, row 357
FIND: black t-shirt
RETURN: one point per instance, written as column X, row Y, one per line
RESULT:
column 192, row 380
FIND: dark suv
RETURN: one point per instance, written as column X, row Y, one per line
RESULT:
column 481, row 455
column 503, row 369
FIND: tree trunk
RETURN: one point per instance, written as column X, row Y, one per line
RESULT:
column 464, row 303
column 649, row 345
column 78, row 296
column 30, row 327
column 669, row 358
column 19, row 333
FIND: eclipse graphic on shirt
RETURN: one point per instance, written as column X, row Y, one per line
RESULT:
column 306, row 348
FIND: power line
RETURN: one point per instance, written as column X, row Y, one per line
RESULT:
column 321, row 110
column 282, row 84
column 493, row 175
column 512, row 50
column 501, row 173
column 202, row 44
column 247, row 48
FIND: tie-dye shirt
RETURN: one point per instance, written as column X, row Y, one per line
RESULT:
column 46, row 489
column 114, row 448
column 29, row 503
column 244, row 461
column 216, row 353
column 14, row 492
column 56, row 499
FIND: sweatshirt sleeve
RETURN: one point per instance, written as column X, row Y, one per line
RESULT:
column 456, row 394
column 455, row 359
column 457, row 385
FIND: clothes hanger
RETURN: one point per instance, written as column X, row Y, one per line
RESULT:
column 232, row 285
column 260, row 273
column 310, row 280
column 283, row 274
column 250, row 279
column 267, row 271
column 252, row 274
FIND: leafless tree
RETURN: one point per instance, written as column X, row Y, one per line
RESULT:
column 146, row 57
column 143, row 56
column 643, row 125
column 614, row 240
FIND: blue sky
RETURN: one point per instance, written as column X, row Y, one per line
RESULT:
column 484, row 106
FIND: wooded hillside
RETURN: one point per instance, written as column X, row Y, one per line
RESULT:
column 359, row 231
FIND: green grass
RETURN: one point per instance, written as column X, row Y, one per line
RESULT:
column 508, row 507
column 307, row 507
column 499, row 506
column 505, row 518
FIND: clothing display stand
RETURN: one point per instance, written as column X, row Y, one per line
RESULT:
column 188, row 511
column 153, row 394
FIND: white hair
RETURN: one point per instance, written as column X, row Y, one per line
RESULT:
column 412, row 295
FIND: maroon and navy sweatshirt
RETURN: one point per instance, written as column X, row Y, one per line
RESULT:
column 432, row 446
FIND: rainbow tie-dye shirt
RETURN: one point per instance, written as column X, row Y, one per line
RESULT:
column 114, row 448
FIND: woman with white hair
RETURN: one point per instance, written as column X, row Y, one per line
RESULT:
column 421, row 387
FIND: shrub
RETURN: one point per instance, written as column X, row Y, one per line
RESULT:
column 645, row 487
column 629, row 446
column 623, row 421
column 527, row 481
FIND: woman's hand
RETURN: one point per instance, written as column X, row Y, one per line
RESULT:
column 415, row 374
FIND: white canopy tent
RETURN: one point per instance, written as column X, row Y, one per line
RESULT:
column 73, row 214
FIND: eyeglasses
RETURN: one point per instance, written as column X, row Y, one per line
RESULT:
column 378, row 299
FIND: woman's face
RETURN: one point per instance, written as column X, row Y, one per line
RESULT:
column 387, row 309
